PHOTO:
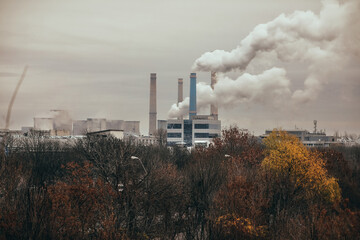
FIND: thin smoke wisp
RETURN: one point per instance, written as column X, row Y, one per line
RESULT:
column 13, row 97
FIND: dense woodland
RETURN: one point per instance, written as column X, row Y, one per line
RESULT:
column 238, row 188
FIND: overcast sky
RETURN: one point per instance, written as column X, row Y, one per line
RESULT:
column 94, row 59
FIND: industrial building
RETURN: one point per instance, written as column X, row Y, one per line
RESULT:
column 107, row 133
column 57, row 126
column 314, row 139
column 198, row 129
column 81, row 127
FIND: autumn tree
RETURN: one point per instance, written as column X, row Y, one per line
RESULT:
column 148, row 189
column 81, row 206
column 297, row 181
column 204, row 175
column 161, row 136
column 13, row 183
column 31, row 164
column 237, row 208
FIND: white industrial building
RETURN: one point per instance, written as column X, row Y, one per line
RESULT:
column 314, row 139
column 200, row 130
column 81, row 127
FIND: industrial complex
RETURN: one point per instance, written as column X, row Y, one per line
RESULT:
column 194, row 130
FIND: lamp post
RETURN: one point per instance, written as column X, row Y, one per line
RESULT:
column 232, row 159
column 136, row 158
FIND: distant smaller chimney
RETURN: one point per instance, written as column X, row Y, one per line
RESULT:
column 180, row 93
column 152, row 112
column 213, row 107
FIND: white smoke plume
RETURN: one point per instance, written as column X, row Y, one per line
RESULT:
column 270, row 86
column 324, row 42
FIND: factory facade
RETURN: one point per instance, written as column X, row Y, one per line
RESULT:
column 314, row 139
column 69, row 127
column 198, row 129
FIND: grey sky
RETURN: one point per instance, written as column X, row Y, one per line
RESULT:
column 94, row 59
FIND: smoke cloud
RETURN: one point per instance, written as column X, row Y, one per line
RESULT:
column 271, row 86
column 324, row 42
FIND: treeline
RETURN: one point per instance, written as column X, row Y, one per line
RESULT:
column 238, row 188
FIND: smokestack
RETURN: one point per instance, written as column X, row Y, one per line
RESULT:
column 152, row 112
column 192, row 108
column 180, row 93
column 213, row 107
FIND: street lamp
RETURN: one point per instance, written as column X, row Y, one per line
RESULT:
column 136, row 158
column 232, row 159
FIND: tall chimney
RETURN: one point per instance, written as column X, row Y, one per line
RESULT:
column 152, row 112
column 213, row 107
column 192, row 108
column 180, row 93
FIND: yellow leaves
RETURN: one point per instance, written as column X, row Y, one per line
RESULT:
column 235, row 225
column 287, row 159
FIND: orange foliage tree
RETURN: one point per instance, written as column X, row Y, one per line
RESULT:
column 82, row 206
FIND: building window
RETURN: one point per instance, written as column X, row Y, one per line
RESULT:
column 174, row 126
column 174, row 135
column 213, row 135
column 201, row 126
column 201, row 135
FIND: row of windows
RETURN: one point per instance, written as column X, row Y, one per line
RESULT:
column 174, row 135
column 174, row 126
column 206, row 126
column 206, row 135
column 196, row 126
column 197, row 135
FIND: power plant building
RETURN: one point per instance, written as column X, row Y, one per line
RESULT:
column 315, row 139
column 82, row 127
column 198, row 129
